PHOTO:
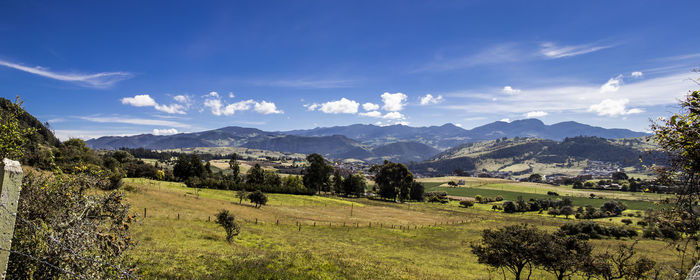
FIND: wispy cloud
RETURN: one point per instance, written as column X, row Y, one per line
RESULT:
column 553, row 51
column 495, row 54
column 97, row 80
column 640, row 93
column 135, row 121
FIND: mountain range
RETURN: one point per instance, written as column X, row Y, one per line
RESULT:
column 361, row 141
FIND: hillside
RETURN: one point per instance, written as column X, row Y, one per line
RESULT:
column 449, row 135
column 43, row 136
column 518, row 156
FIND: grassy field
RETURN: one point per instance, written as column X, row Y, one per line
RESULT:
column 427, row 241
column 510, row 190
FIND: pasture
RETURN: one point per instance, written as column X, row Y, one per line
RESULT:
column 317, row 237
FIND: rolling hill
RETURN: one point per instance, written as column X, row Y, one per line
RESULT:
column 518, row 156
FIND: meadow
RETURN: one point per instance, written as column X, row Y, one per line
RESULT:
column 318, row 237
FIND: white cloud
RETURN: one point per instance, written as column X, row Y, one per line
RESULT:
column 231, row 95
column 215, row 106
column 164, row 131
column 135, row 121
column 98, row 80
column 505, row 120
column 613, row 108
column 637, row 74
column 536, row 114
column 510, row 90
column 218, row 108
column 373, row 114
column 552, row 51
column 494, row 54
column 612, row 85
column 393, row 116
column 171, row 109
column 266, row 108
column 370, row 106
column 183, row 99
column 142, row 100
column 342, row 106
column 393, row 101
column 145, row 100
column 312, row 107
column 429, row 99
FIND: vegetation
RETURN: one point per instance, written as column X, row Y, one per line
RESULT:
column 679, row 136
column 228, row 221
column 395, row 181
column 317, row 174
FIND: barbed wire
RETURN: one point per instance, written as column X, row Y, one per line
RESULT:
column 60, row 244
column 44, row 262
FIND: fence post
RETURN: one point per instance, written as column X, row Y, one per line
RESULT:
column 144, row 212
column 10, row 185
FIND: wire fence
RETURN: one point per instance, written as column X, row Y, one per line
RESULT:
column 62, row 246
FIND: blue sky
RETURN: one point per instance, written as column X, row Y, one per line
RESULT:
column 95, row 68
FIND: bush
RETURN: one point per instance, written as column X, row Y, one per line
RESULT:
column 98, row 228
column 626, row 221
column 228, row 222
column 258, row 197
column 466, row 203
column 552, row 193
column 596, row 231
column 440, row 197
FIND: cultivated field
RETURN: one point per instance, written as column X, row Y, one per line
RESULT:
column 321, row 237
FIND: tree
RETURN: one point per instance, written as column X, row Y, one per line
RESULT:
column 417, row 191
column 273, row 179
column 613, row 207
column 619, row 176
column 317, row 173
column 537, row 178
column 258, row 197
column 241, row 194
column 679, row 137
column 228, row 222
column 235, row 168
column 188, row 166
column 13, row 138
column 394, row 180
column 566, row 211
column 256, row 176
column 338, row 183
column 512, row 248
column 562, row 255
column 619, row 264
column 354, row 184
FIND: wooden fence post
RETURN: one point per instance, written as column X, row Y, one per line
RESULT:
column 144, row 212
column 10, row 185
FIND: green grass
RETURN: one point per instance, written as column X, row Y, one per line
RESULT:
column 434, row 248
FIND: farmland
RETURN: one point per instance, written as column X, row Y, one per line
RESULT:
column 318, row 237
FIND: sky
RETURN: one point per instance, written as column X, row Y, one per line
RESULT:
column 95, row 68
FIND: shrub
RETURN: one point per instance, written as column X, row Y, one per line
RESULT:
column 626, row 221
column 466, row 203
column 499, row 198
column 258, row 197
column 98, row 228
column 596, row 231
column 228, row 222
column 552, row 193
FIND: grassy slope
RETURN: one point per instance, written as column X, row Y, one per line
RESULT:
column 193, row 248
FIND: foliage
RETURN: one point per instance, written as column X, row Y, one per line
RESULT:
column 257, row 197
column 353, row 184
column 317, row 174
column 596, row 231
column 69, row 228
column 256, row 176
column 394, row 180
column 466, row 203
column 188, row 166
column 14, row 139
column 679, row 136
column 620, row 263
column 562, row 255
column 512, row 248
column 228, row 221
column 235, row 168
